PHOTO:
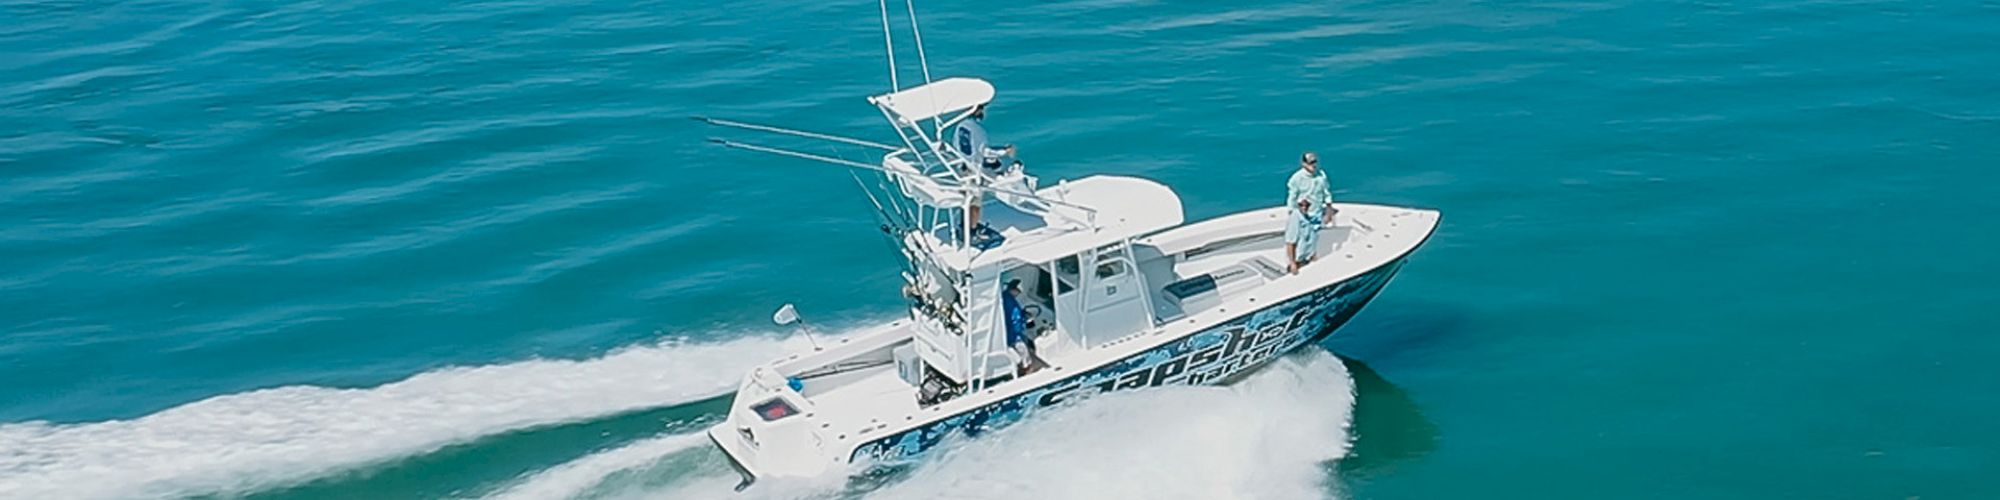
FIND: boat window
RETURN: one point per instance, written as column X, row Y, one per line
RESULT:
column 1067, row 265
column 1110, row 269
column 773, row 409
column 1115, row 251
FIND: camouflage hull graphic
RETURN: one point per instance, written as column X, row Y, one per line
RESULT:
column 1206, row 357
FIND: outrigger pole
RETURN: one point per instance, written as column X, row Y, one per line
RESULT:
column 794, row 132
column 855, row 164
column 889, row 44
column 799, row 154
column 922, row 62
column 911, row 6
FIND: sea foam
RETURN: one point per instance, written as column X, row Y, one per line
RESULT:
column 248, row 441
column 1268, row 436
column 576, row 476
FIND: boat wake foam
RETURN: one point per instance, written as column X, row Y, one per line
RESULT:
column 569, row 479
column 1268, row 436
column 269, row 438
column 671, row 466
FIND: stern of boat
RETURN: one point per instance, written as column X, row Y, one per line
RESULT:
column 802, row 415
column 768, row 432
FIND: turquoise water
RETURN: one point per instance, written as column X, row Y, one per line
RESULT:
column 458, row 249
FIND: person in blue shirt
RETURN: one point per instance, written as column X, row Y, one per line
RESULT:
column 1018, row 337
column 1311, row 205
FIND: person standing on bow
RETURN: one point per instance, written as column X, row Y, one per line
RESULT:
column 1311, row 203
column 982, row 161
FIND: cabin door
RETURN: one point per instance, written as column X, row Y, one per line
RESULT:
column 1110, row 304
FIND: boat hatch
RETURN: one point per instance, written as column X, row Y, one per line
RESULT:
column 774, row 409
column 1183, row 289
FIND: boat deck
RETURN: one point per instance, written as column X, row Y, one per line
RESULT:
column 864, row 405
column 1242, row 254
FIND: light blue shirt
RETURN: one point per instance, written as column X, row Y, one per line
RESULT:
column 970, row 139
column 1310, row 187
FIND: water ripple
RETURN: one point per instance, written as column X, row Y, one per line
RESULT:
column 432, row 235
column 66, row 183
column 471, row 171
column 1308, row 33
column 464, row 130
column 1389, row 54
column 153, row 218
column 580, row 257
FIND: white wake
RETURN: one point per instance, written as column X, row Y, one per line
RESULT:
column 1269, row 436
column 1266, row 437
column 580, row 475
column 243, row 442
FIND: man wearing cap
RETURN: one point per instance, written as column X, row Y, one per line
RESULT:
column 970, row 139
column 1310, row 203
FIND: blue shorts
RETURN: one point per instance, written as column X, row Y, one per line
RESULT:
column 1302, row 230
column 1020, row 339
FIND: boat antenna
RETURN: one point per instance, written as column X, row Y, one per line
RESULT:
column 889, row 44
column 787, row 315
column 922, row 62
column 911, row 5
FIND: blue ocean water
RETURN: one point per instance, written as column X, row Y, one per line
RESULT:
column 475, row 248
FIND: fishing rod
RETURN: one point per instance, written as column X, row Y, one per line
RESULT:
column 815, row 157
column 892, row 230
column 881, row 214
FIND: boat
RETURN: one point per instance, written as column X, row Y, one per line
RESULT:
column 1120, row 293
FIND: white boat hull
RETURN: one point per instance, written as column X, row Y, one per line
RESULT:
column 1216, row 353
column 1211, row 356
column 1099, row 281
